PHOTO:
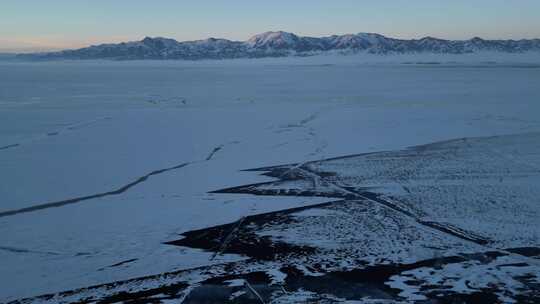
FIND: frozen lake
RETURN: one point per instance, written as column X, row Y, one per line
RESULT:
column 103, row 162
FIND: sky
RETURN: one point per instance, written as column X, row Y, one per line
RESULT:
column 30, row 25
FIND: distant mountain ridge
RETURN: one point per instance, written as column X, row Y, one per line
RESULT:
column 279, row 44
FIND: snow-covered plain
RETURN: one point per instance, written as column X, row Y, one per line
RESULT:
column 79, row 133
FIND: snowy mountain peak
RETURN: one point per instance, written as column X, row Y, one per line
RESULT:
column 158, row 43
column 429, row 38
column 371, row 37
column 356, row 41
column 148, row 39
column 276, row 40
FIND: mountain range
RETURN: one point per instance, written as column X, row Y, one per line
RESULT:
column 280, row 44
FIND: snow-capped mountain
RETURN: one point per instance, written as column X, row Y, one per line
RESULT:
column 274, row 40
column 278, row 44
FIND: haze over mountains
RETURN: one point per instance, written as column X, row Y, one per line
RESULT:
column 280, row 44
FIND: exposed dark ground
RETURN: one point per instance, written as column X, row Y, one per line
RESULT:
column 366, row 246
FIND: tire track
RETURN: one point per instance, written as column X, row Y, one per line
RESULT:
column 301, row 171
column 9, row 146
column 24, row 250
column 69, row 128
column 79, row 199
column 444, row 228
column 117, row 191
column 213, row 152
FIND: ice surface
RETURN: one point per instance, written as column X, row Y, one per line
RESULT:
column 75, row 129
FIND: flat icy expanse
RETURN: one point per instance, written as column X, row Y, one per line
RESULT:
column 119, row 157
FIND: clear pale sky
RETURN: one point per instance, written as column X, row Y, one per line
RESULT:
column 53, row 24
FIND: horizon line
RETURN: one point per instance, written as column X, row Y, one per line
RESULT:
column 45, row 48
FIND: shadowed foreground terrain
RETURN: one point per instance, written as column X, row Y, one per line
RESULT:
column 447, row 222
